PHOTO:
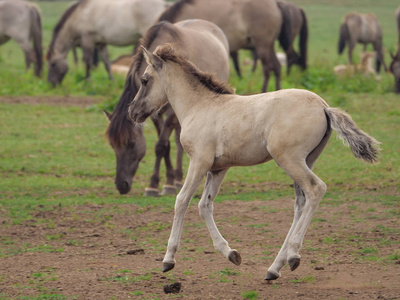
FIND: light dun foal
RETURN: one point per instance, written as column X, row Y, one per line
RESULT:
column 221, row 130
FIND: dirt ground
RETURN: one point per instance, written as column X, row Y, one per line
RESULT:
column 115, row 252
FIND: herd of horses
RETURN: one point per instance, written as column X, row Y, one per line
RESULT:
column 178, row 77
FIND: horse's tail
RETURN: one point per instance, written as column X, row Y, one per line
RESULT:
column 286, row 28
column 362, row 145
column 343, row 36
column 36, row 30
column 303, row 41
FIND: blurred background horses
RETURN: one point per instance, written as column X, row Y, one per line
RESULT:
column 21, row 21
column 94, row 24
column 246, row 23
column 363, row 29
column 395, row 64
column 207, row 47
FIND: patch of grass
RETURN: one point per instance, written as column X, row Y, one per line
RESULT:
column 250, row 295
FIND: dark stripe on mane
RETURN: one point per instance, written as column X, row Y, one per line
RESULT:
column 173, row 11
column 167, row 53
column 60, row 25
column 120, row 128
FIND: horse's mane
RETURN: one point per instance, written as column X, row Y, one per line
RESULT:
column 60, row 25
column 167, row 53
column 120, row 128
column 172, row 12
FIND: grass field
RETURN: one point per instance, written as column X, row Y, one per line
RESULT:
column 56, row 155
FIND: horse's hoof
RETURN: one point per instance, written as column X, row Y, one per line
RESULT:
column 168, row 267
column 235, row 257
column 294, row 263
column 271, row 276
column 178, row 184
column 151, row 192
column 168, row 190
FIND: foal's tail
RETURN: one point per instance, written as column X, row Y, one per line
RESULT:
column 36, row 29
column 362, row 145
column 343, row 36
column 303, row 41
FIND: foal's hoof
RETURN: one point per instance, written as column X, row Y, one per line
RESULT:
column 168, row 267
column 178, row 184
column 294, row 263
column 168, row 190
column 271, row 276
column 151, row 192
column 235, row 257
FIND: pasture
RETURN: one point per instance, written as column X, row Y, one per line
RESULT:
column 66, row 233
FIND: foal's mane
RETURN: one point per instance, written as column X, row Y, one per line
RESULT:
column 167, row 53
column 173, row 11
column 60, row 25
column 120, row 129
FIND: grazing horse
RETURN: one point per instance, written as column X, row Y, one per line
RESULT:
column 298, row 27
column 222, row 130
column 363, row 29
column 395, row 64
column 205, row 45
column 94, row 24
column 21, row 21
column 246, row 23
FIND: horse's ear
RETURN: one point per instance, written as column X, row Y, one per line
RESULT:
column 108, row 115
column 152, row 59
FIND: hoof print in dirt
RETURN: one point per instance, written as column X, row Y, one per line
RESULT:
column 174, row 288
column 135, row 252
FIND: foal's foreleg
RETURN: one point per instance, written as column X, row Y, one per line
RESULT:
column 213, row 183
column 194, row 177
column 179, row 158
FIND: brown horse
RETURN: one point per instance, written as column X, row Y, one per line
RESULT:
column 246, row 23
column 395, row 64
column 294, row 17
column 221, row 130
column 93, row 24
column 21, row 21
column 363, row 29
column 205, row 45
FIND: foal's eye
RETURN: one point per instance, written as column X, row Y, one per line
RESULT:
column 131, row 145
column 144, row 81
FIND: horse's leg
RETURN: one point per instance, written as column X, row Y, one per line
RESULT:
column 28, row 52
column 269, row 62
column 255, row 59
column 106, row 58
column 170, row 124
column 196, row 173
column 87, row 45
column 162, row 150
column 379, row 57
column 350, row 52
column 179, row 158
column 235, row 59
column 213, row 183
column 282, row 257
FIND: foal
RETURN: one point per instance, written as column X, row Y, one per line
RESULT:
column 221, row 130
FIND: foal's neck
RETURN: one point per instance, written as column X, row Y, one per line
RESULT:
column 186, row 93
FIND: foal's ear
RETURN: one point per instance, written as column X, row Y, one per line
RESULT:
column 108, row 115
column 152, row 59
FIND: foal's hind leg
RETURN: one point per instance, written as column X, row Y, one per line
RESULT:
column 282, row 257
column 213, row 183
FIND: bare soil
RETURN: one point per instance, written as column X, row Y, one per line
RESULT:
column 115, row 251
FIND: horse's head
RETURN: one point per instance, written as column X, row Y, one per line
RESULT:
column 151, row 96
column 395, row 69
column 58, row 67
column 129, row 146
